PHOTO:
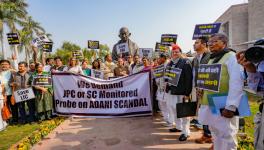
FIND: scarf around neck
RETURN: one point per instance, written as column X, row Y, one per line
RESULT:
column 218, row 55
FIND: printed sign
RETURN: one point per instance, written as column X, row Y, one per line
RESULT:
column 84, row 96
column 122, row 48
column 161, row 48
column 47, row 46
column 172, row 75
column 77, row 54
column 39, row 41
column 97, row 74
column 42, row 80
column 159, row 71
column 93, row 44
column 208, row 77
column 145, row 52
column 168, row 39
column 205, row 30
column 12, row 38
column 24, row 95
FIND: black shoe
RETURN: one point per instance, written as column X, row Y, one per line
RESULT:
column 183, row 137
column 194, row 121
column 174, row 130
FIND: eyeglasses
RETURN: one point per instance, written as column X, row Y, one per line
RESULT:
column 213, row 42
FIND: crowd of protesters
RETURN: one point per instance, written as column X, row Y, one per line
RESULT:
column 40, row 108
column 219, row 130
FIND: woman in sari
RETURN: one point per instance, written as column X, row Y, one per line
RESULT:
column 43, row 94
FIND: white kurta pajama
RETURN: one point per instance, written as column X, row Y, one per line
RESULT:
column 162, row 102
column 223, row 129
column 181, row 123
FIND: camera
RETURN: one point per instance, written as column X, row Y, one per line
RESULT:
column 255, row 54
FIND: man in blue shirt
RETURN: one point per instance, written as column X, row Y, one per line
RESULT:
column 256, row 84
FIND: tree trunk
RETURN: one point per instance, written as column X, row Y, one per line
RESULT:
column 3, row 46
column 16, row 52
column 27, row 55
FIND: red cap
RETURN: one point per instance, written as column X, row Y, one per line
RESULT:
column 175, row 47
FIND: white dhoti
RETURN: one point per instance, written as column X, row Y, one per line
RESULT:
column 181, row 123
column 223, row 129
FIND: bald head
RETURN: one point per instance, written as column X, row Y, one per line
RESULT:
column 123, row 29
column 124, row 34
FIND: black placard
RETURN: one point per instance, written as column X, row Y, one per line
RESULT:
column 47, row 46
column 172, row 75
column 42, row 80
column 159, row 71
column 168, row 39
column 205, row 30
column 161, row 48
column 12, row 38
column 209, row 76
column 93, row 44
column 77, row 54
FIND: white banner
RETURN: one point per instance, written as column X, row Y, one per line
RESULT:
column 24, row 95
column 85, row 96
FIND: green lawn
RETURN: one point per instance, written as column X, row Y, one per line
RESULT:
column 13, row 134
column 247, row 142
column 249, row 128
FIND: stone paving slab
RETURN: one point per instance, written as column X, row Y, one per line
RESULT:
column 136, row 133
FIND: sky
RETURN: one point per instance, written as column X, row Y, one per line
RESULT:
column 78, row 21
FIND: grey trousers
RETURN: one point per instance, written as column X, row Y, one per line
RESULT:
column 259, row 131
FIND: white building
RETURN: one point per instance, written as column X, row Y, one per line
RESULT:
column 243, row 23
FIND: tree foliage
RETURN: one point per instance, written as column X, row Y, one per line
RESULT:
column 13, row 13
column 65, row 51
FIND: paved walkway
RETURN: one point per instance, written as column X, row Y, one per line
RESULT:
column 116, row 134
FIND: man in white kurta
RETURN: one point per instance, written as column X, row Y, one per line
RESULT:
column 225, row 127
column 160, row 93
